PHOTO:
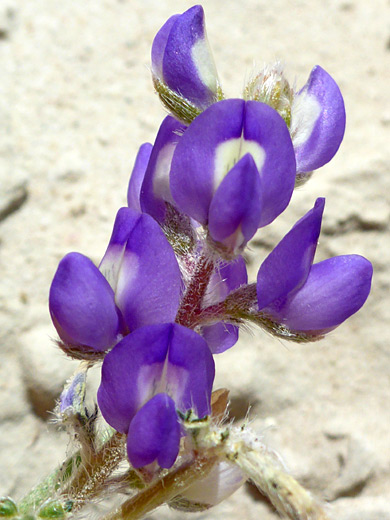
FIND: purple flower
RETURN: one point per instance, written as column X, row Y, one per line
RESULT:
column 221, row 336
column 317, row 121
column 82, row 304
column 306, row 297
column 137, row 176
column 155, row 190
column 182, row 59
column 150, row 374
column 233, row 170
column 139, row 283
column 315, row 115
column 142, row 269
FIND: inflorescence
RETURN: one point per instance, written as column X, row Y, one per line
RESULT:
column 172, row 290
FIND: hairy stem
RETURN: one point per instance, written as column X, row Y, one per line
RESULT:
column 89, row 481
column 192, row 299
column 264, row 468
column 49, row 485
column 164, row 490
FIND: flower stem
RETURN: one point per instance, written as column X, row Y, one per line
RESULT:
column 49, row 485
column 92, row 475
column 164, row 490
column 196, row 289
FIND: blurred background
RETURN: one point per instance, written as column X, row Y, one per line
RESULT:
column 76, row 102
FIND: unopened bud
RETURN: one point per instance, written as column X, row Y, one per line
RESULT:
column 72, row 400
column 183, row 69
column 8, row 508
column 52, row 509
column 272, row 88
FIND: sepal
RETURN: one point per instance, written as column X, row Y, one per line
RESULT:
column 52, row 509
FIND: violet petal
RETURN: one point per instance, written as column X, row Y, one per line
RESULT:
column 334, row 290
column 286, row 268
column 159, row 44
column 154, row 433
column 157, row 358
column 216, row 140
column 317, row 121
column 149, row 280
column 190, row 371
column 225, row 279
column 220, row 336
column 131, row 372
column 235, row 209
column 265, row 127
column 193, row 168
column 137, row 176
column 82, row 304
column 187, row 63
column 125, row 221
column 155, row 187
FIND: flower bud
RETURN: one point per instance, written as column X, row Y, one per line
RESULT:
column 315, row 115
column 8, row 508
column 72, row 399
column 182, row 64
column 52, row 509
column 271, row 87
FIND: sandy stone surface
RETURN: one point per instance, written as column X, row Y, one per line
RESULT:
column 76, row 101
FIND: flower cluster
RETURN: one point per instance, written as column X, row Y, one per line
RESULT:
column 172, row 290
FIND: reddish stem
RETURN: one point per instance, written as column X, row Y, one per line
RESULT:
column 191, row 303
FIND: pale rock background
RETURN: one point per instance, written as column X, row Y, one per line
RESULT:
column 76, row 101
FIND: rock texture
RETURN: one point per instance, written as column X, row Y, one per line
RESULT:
column 76, row 101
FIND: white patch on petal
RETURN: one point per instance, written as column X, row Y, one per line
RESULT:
column 161, row 188
column 127, row 275
column 148, row 382
column 111, row 264
column 176, row 382
column 204, row 63
column 305, row 111
column 230, row 152
column 235, row 242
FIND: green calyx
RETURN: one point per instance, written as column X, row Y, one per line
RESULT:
column 52, row 509
column 8, row 508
